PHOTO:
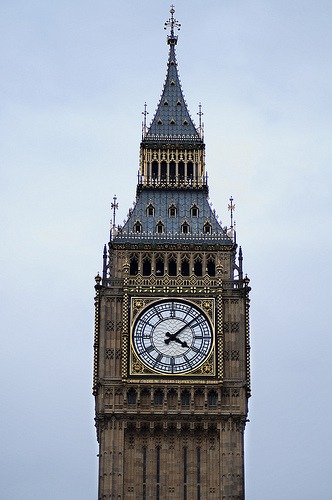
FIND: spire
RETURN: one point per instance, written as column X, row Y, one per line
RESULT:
column 172, row 120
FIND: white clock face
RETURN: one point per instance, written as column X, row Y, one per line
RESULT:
column 172, row 337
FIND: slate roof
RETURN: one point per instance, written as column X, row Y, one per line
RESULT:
column 183, row 201
column 172, row 118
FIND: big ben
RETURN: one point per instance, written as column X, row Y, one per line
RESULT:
column 171, row 347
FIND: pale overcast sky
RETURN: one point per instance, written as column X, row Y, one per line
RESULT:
column 75, row 75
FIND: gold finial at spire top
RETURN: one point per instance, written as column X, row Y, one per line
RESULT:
column 172, row 23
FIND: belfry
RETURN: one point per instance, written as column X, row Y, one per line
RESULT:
column 171, row 347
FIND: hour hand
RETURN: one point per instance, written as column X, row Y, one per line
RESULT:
column 172, row 336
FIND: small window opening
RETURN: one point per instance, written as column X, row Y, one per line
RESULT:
column 150, row 210
column 159, row 122
column 185, row 228
column 172, row 211
column 172, row 122
column 160, row 227
column 137, row 227
column 178, row 103
column 207, row 228
column 194, row 211
column 166, row 103
column 185, row 122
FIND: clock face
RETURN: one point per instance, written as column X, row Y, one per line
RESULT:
column 172, row 337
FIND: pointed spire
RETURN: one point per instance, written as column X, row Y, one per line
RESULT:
column 172, row 120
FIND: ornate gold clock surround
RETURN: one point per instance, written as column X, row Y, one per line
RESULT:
column 136, row 368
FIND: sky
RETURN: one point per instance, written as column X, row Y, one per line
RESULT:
column 75, row 76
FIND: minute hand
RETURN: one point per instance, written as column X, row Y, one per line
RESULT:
column 172, row 336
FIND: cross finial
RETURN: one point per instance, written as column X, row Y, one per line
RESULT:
column 114, row 207
column 144, row 113
column 200, row 114
column 231, row 207
column 232, row 232
column 172, row 23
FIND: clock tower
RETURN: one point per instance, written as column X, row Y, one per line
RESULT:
column 171, row 348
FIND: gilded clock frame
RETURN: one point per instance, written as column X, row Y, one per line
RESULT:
column 207, row 369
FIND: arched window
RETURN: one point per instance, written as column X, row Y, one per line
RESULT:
column 185, row 271
column 194, row 210
column 172, row 169
column 137, row 227
column 212, row 399
column 185, row 398
column 199, row 398
column 185, row 228
column 181, row 169
column 145, row 397
column 159, row 227
column 172, row 268
column 198, row 268
column 160, row 269
column 146, row 265
column 190, row 169
column 172, row 210
column 133, row 270
column 172, row 398
column 131, row 397
column 155, row 169
column 207, row 229
column 163, row 170
column 211, row 266
column 158, row 397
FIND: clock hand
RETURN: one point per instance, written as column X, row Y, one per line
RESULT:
column 172, row 336
column 184, row 344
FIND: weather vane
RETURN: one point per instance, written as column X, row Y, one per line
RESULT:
column 172, row 23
